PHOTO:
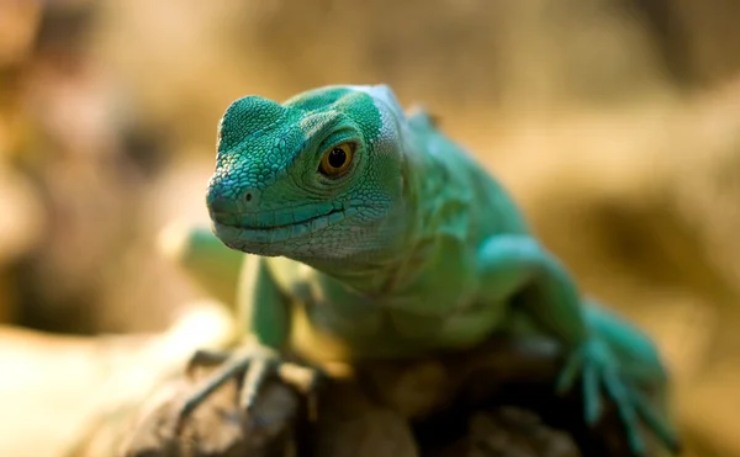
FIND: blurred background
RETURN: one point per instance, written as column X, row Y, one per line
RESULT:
column 615, row 123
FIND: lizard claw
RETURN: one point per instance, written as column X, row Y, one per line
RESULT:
column 255, row 364
column 597, row 368
column 259, row 370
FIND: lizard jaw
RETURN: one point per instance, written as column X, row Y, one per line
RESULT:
column 266, row 240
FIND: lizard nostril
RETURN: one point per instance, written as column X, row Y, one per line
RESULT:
column 248, row 198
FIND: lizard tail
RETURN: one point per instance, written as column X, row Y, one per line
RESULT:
column 213, row 266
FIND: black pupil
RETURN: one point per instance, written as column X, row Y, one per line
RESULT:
column 337, row 157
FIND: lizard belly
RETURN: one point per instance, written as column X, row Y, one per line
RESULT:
column 386, row 334
column 332, row 322
column 471, row 327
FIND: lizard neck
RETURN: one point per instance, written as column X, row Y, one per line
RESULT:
column 398, row 254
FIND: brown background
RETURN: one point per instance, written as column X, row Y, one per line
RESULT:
column 615, row 123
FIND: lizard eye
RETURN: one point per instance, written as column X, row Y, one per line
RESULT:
column 337, row 159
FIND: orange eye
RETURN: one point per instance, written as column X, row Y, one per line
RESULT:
column 337, row 160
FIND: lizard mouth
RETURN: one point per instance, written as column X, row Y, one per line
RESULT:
column 241, row 234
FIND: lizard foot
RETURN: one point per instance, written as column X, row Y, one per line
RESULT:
column 598, row 369
column 255, row 364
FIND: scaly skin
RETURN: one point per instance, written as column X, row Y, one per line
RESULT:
column 413, row 248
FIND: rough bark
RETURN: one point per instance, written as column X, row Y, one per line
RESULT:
column 494, row 401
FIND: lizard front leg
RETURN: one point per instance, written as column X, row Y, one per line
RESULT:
column 515, row 269
column 264, row 310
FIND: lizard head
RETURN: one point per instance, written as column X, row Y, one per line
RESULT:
column 317, row 177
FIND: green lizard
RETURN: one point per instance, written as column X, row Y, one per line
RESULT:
column 376, row 236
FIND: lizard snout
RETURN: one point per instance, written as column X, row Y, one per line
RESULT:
column 224, row 204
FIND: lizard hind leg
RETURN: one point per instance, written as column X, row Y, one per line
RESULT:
column 204, row 258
